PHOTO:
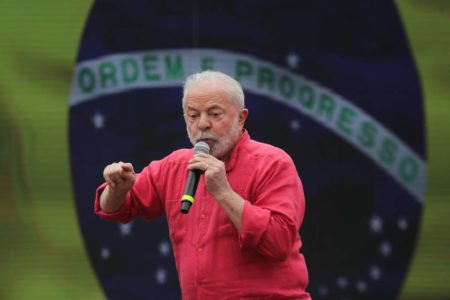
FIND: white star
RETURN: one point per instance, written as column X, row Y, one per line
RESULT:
column 125, row 229
column 98, row 120
column 161, row 276
column 376, row 224
column 323, row 291
column 105, row 253
column 385, row 248
column 164, row 248
column 295, row 125
column 375, row 272
column 402, row 223
column 361, row 286
column 293, row 60
column 342, row 282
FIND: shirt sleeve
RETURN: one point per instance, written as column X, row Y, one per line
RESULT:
column 122, row 214
column 271, row 222
column 142, row 200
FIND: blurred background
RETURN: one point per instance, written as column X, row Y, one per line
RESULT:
column 45, row 249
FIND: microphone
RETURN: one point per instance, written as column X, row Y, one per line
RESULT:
column 192, row 181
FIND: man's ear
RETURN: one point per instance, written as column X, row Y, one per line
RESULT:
column 243, row 114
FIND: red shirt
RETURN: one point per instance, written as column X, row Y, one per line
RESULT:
column 214, row 260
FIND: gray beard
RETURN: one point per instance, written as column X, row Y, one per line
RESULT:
column 223, row 145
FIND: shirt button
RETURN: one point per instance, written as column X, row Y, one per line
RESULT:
column 199, row 249
column 202, row 216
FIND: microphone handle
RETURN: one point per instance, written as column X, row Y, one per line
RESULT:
column 189, row 192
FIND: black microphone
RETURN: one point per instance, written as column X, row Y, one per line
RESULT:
column 192, row 181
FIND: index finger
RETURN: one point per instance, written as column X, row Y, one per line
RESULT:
column 127, row 167
column 204, row 155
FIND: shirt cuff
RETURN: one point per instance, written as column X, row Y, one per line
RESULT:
column 122, row 214
column 254, row 223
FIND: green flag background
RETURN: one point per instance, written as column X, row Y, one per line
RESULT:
column 42, row 255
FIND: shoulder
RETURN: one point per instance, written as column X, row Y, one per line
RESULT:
column 178, row 157
column 266, row 151
column 268, row 163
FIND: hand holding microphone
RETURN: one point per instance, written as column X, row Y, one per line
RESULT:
column 192, row 182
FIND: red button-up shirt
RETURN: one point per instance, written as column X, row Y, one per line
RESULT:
column 214, row 260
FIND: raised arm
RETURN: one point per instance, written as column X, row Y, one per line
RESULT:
column 120, row 178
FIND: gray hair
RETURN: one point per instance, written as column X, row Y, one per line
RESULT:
column 231, row 86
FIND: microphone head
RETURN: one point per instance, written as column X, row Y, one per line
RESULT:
column 201, row 147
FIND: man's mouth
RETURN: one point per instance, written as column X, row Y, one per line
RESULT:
column 207, row 140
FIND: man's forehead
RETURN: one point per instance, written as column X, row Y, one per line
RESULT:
column 210, row 104
column 207, row 97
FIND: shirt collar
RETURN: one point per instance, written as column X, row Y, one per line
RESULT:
column 229, row 164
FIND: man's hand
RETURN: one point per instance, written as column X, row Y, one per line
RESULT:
column 120, row 178
column 214, row 171
column 218, row 186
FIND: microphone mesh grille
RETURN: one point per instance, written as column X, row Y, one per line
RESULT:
column 201, row 147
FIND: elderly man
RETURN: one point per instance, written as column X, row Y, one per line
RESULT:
column 240, row 239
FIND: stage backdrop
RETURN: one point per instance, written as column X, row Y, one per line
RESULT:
column 356, row 94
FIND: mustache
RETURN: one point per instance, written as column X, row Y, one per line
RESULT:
column 206, row 135
column 202, row 136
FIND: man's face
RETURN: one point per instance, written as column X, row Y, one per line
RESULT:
column 213, row 118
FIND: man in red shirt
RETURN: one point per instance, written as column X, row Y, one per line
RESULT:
column 240, row 239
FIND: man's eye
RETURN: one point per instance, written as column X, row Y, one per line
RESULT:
column 215, row 114
column 192, row 117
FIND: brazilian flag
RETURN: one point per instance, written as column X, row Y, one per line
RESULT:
column 67, row 66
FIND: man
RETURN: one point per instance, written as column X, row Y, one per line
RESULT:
column 240, row 239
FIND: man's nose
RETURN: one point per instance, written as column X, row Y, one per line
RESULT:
column 204, row 122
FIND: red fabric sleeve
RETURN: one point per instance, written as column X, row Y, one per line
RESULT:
column 143, row 199
column 122, row 214
column 270, row 224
